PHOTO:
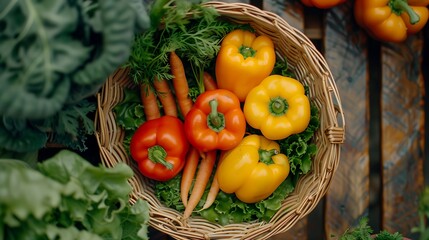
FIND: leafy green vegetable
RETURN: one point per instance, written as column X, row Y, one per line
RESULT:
column 129, row 112
column 299, row 147
column 53, row 55
column 385, row 235
column 281, row 67
column 423, row 210
column 49, row 49
column 196, row 40
column 364, row 232
column 169, row 193
column 18, row 135
column 69, row 127
column 157, row 12
column 68, row 198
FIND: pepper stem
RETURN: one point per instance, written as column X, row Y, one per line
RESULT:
column 215, row 119
column 247, row 51
column 399, row 6
column 265, row 155
column 278, row 106
column 157, row 154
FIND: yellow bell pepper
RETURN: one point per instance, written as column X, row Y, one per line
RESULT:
column 243, row 61
column 278, row 107
column 253, row 170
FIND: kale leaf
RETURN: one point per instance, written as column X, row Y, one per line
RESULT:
column 53, row 55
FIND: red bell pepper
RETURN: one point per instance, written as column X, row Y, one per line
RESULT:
column 159, row 146
column 216, row 121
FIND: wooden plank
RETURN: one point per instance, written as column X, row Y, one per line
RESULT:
column 291, row 11
column 297, row 232
column 348, row 197
column 402, row 134
column 425, row 72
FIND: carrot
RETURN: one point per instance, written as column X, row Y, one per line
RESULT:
column 209, row 82
column 188, row 174
column 211, row 196
column 203, row 175
column 149, row 102
column 166, row 97
column 214, row 188
column 180, row 84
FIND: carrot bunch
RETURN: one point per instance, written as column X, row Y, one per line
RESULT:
column 172, row 99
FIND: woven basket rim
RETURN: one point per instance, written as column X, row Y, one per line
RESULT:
column 310, row 67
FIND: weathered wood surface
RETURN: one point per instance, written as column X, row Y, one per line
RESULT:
column 290, row 10
column 348, row 197
column 298, row 232
column 402, row 94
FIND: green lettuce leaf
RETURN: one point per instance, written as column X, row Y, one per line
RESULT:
column 26, row 192
column 299, row 147
column 66, row 197
column 227, row 208
column 129, row 112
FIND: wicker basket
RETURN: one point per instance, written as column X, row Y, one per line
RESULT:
column 310, row 68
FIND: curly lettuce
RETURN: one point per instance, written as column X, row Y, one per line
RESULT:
column 227, row 208
column 66, row 197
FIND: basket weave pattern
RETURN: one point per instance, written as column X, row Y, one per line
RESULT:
column 309, row 67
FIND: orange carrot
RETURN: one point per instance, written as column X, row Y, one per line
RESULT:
column 180, row 83
column 149, row 102
column 188, row 174
column 166, row 97
column 214, row 187
column 203, row 175
column 211, row 196
column 209, row 82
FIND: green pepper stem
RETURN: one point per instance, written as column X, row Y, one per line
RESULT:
column 157, row 154
column 278, row 106
column 398, row 6
column 215, row 119
column 247, row 51
column 265, row 156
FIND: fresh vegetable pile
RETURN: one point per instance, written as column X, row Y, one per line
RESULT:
column 217, row 120
column 65, row 197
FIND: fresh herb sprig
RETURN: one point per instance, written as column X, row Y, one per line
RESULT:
column 191, row 30
column 423, row 210
column 364, row 232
